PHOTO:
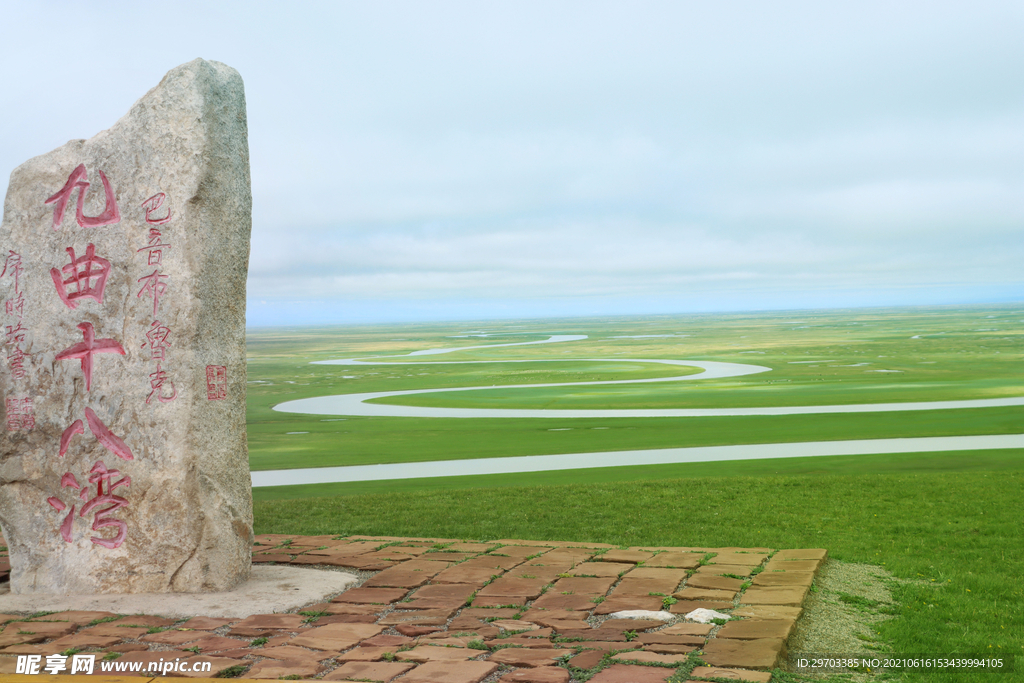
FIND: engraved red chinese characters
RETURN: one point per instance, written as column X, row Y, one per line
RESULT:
column 89, row 282
column 107, row 438
column 67, row 481
column 216, row 382
column 84, row 350
column 100, row 475
column 151, row 205
column 153, row 287
column 77, row 181
column 20, row 414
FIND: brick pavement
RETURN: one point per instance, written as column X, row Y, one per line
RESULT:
column 450, row 611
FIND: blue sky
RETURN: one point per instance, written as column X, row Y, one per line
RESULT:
column 442, row 161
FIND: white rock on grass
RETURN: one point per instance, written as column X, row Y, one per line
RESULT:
column 706, row 616
column 642, row 614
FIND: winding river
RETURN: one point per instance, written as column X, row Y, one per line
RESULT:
column 356, row 405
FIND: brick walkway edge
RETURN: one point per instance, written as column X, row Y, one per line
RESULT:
column 435, row 610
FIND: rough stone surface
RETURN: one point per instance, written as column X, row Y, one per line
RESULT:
column 168, row 412
column 680, row 560
column 648, row 658
column 750, row 629
column 792, row 596
column 712, row 582
column 631, row 673
column 518, row 656
column 804, row 554
column 450, row 672
column 368, row 671
column 784, row 578
column 714, row 672
column 748, row 654
column 543, row 674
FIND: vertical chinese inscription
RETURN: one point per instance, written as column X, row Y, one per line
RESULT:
column 19, row 411
column 85, row 277
column 161, row 388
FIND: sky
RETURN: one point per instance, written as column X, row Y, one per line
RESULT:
column 441, row 161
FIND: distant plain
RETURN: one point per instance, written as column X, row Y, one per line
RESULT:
column 817, row 358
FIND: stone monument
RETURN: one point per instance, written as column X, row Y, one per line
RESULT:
column 123, row 462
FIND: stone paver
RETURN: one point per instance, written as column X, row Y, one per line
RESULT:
column 631, row 624
column 436, row 653
column 421, row 593
column 476, row 576
column 552, row 600
column 584, row 586
column 544, row 674
column 627, row 556
column 516, row 656
column 704, row 594
column 270, row 621
column 649, row 658
column 644, row 587
column 720, row 569
column 750, row 629
column 275, row 669
column 336, row 636
column 793, row 565
column 784, row 578
column 290, row 652
column 82, row 641
column 615, row 603
column 712, row 582
column 662, row 638
column 749, row 559
column 372, row 595
column 587, row 659
column 205, row 623
column 512, row 587
column 450, row 672
column 687, row 629
column 598, row 569
column 381, row 672
column 703, row 672
column 632, row 673
column 792, row 596
column 809, row 554
column 747, row 654
column 670, row 559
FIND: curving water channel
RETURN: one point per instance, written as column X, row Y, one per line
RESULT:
column 356, row 405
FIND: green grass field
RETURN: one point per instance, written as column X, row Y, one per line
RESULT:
column 948, row 522
column 961, row 354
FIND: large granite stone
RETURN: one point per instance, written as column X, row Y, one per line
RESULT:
column 123, row 464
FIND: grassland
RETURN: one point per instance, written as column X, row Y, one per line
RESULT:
column 960, row 354
column 946, row 524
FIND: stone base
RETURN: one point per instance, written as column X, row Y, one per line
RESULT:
column 269, row 589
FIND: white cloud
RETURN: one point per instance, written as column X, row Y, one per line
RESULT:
column 548, row 157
